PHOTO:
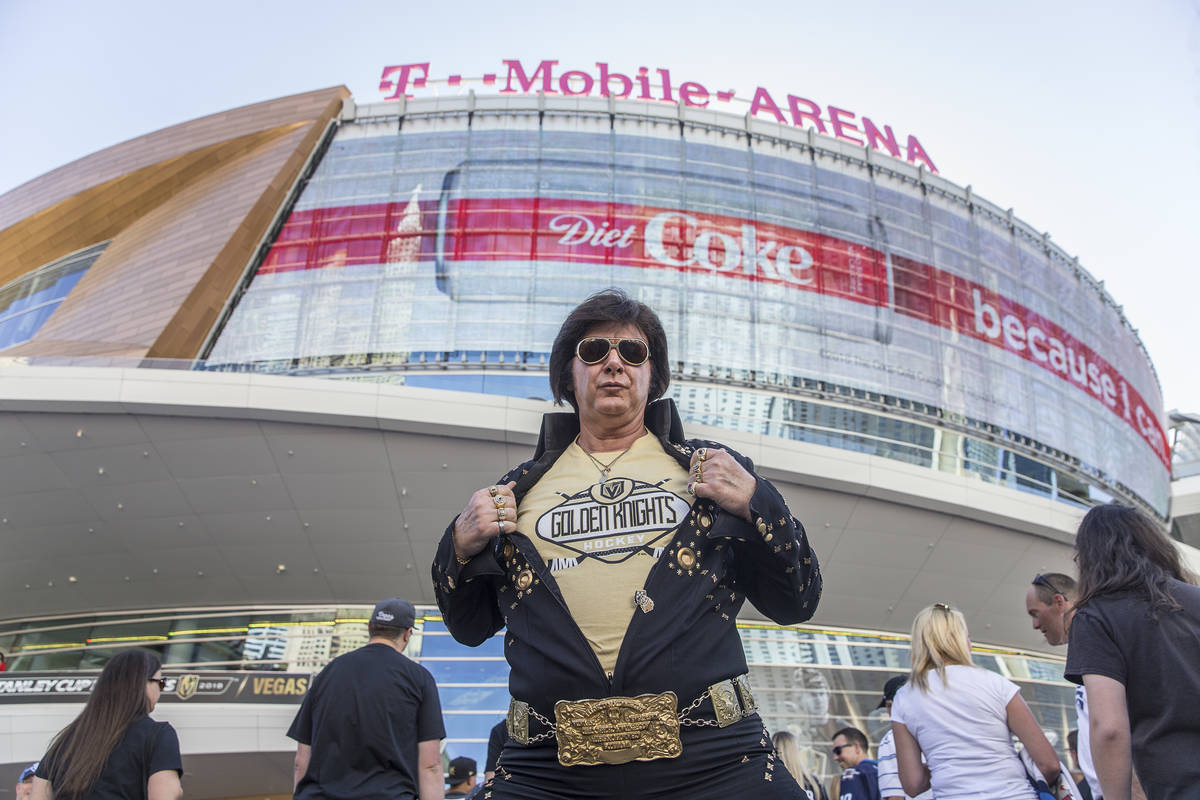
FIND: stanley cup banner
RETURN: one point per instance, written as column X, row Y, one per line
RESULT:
column 189, row 687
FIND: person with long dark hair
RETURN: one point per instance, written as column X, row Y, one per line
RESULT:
column 113, row 749
column 1135, row 646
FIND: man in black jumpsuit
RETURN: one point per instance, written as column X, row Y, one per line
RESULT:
column 648, row 697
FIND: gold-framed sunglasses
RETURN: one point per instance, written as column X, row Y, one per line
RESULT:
column 594, row 349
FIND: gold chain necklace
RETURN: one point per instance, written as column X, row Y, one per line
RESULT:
column 600, row 465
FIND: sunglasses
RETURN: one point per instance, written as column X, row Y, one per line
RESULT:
column 1040, row 580
column 837, row 751
column 594, row 349
column 162, row 683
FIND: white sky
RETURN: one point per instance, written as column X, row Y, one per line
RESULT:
column 1082, row 116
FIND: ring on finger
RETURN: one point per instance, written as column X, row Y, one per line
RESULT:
column 500, row 513
column 498, row 500
column 501, row 524
column 493, row 490
column 702, row 453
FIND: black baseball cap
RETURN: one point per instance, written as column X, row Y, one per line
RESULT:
column 890, row 688
column 394, row 613
column 461, row 769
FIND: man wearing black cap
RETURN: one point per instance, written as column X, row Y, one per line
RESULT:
column 461, row 777
column 371, row 723
column 889, row 774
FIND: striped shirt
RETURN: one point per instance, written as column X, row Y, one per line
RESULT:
column 889, row 771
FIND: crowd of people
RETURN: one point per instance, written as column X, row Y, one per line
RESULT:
column 627, row 674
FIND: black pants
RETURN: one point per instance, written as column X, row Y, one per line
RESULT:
column 736, row 762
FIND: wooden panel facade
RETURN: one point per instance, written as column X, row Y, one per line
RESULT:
column 184, row 208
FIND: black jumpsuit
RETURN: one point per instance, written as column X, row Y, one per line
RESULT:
column 685, row 643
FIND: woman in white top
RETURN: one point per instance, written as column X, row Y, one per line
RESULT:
column 962, row 718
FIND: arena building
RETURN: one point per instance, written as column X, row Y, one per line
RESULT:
column 251, row 365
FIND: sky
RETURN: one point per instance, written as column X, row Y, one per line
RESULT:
column 1084, row 117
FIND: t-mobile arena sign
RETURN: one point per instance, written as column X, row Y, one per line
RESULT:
column 399, row 80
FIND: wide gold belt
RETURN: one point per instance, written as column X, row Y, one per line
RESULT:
column 617, row 730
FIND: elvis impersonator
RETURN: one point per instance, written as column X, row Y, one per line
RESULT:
column 617, row 560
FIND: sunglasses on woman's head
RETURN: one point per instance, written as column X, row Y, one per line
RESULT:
column 594, row 349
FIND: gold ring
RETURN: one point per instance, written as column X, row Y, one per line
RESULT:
column 702, row 453
column 498, row 500
column 493, row 490
column 500, row 512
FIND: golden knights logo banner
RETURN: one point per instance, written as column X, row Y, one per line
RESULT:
column 612, row 520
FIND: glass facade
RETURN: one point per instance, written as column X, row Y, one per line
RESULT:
column 27, row 302
column 806, row 679
column 1185, row 466
column 443, row 243
column 1185, row 445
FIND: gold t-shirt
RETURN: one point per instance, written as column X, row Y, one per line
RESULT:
column 600, row 537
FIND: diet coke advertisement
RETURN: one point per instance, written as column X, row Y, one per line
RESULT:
column 574, row 231
column 608, row 234
column 759, row 265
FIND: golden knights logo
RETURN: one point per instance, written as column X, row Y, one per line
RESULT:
column 614, row 519
column 187, row 685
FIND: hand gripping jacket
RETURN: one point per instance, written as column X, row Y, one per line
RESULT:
column 683, row 640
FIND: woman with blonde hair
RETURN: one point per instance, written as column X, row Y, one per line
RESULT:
column 788, row 750
column 962, row 718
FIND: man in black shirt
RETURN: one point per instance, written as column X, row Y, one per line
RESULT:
column 496, row 739
column 371, row 724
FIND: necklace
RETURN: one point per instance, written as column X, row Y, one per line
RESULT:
column 600, row 465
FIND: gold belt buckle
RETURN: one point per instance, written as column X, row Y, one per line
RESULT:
column 617, row 730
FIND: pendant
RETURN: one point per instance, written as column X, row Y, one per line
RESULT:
column 603, row 475
column 643, row 601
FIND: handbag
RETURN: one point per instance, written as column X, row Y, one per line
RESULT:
column 1065, row 789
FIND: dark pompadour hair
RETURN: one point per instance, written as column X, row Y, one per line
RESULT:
column 608, row 307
